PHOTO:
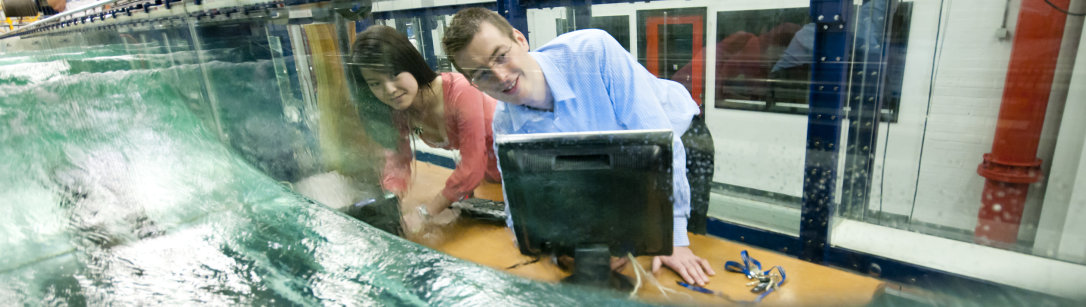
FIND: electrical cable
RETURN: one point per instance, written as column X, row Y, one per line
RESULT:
column 650, row 280
column 637, row 285
column 1063, row 10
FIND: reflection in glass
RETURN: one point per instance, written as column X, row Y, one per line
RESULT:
column 617, row 26
column 672, row 46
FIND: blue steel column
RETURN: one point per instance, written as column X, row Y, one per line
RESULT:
column 829, row 74
column 516, row 14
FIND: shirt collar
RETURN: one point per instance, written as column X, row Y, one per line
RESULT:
column 556, row 83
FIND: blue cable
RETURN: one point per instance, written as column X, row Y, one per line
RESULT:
column 755, row 271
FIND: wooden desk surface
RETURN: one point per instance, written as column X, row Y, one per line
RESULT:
column 492, row 245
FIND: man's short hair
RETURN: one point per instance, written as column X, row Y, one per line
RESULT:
column 465, row 25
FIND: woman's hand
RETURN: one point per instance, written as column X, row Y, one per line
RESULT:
column 437, row 205
column 434, row 212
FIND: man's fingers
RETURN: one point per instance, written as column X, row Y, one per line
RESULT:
column 686, row 276
column 656, row 262
column 707, row 266
column 696, row 272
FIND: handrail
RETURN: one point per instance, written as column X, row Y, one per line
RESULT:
column 188, row 8
column 134, row 4
column 66, row 13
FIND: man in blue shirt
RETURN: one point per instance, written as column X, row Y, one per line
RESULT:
column 581, row 81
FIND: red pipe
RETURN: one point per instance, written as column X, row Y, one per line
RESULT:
column 1013, row 165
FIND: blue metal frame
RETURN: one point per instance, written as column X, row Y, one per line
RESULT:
column 516, row 14
column 829, row 77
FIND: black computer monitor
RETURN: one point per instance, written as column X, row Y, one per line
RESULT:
column 606, row 191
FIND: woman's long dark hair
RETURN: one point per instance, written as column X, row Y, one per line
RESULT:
column 382, row 48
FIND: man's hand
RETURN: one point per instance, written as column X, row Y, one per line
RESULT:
column 693, row 269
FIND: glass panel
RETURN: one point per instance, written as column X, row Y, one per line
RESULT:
column 762, row 63
column 949, row 167
column 763, row 60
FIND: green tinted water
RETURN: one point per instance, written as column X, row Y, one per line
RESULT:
column 118, row 189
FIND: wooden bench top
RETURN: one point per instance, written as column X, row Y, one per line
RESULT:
column 492, row 245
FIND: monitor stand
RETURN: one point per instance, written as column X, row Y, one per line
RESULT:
column 592, row 267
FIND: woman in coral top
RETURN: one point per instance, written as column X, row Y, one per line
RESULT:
column 443, row 110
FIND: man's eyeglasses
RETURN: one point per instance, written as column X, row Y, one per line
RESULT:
column 485, row 75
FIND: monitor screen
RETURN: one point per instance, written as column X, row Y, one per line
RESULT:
column 604, row 187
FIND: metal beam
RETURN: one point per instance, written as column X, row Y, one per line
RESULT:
column 829, row 76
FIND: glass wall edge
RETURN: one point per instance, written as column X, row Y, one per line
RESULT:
column 1005, row 267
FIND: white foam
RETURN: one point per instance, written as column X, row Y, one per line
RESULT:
column 34, row 72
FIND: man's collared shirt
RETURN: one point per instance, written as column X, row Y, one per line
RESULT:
column 598, row 86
